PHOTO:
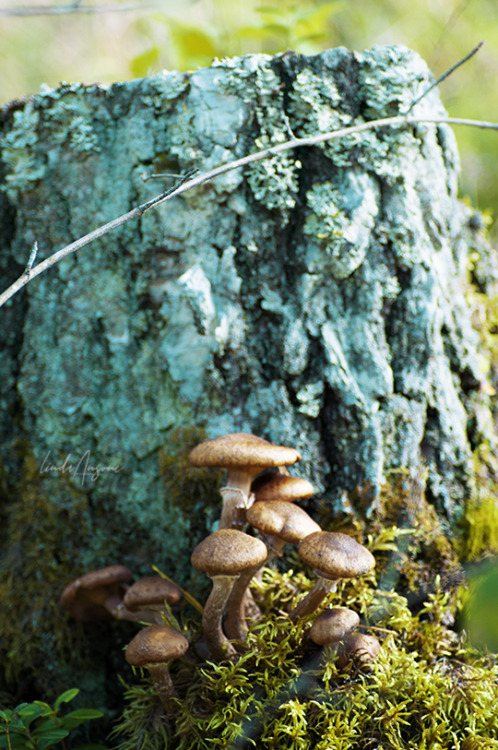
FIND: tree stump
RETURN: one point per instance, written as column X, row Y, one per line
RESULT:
column 316, row 298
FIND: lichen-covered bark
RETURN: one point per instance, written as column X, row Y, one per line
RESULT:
column 315, row 298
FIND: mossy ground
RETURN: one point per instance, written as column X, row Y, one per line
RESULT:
column 430, row 687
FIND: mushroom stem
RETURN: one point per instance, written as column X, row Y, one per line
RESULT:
column 237, row 498
column 217, row 642
column 163, row 685
column 235, row 618
column 308, row 604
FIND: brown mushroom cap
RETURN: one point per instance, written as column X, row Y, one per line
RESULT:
column 282, row 519
column 332, row 625
column 335, row 555
column 155, row 644
column 228, row 552
column 358, row 647
column 151, row 591
column 85, row 598
column 241, row 450
column 275, row 486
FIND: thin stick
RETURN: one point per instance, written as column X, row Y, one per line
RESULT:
column 445, row 75
column 188, row 182
column 76, row 7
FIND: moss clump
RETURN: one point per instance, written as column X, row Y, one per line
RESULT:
column 427, row 688
column 44, row 538
column 193, row 490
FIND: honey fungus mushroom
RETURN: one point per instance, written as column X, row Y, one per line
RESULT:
column 98, row 595
column 333, row 625
column 283, row 487
column 359, row 648
column 153, row 648
column 223, row 556
column 279, row 522
column 333, row 556
column 244, row 456
column 147, row 596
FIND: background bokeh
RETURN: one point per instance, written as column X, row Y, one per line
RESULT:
column 114, row 40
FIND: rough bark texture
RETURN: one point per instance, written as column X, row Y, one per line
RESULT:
column 315, row 299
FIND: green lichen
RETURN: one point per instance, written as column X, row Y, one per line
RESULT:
column 24, row 167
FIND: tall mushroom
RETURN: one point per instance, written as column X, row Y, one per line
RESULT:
column 223, row 556
column 153, row 648
column 279, row 522
column 97, row 595
column 244, row 456
column 333, row 556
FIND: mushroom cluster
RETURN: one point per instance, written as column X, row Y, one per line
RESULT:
column 258, row 518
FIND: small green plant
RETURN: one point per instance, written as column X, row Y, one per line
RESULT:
column 38, row 726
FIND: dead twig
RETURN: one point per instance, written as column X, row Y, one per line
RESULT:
column 189, row 182
column 445, row 75
column 27, row 11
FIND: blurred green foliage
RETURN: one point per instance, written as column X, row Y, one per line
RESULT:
column 38, row 726
column 119, row 44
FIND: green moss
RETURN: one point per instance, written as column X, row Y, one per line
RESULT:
column 427, row 688
column 43, row 542
column 193, row 490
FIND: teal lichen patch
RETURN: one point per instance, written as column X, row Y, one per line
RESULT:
column 274, row 181
column 19, row 153
column 340, row 221
column 390, row 79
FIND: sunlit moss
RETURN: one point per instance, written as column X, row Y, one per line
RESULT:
column 427, row 688
column 194, row 490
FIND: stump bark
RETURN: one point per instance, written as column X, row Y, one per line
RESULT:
column 316, row 299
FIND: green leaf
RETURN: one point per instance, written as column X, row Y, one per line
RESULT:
column 141, row 64
column 85, row 713
column 49, row 725
column 66, row 696
column 90, row 746
column 28, row 712
column 75, row 718
column 51, row 739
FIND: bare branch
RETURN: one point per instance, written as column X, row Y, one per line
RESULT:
column 445, row 75
column 74, row 7
column 190, row 181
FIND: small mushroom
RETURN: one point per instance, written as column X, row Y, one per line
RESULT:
column 244, row 456
column 97, row 595
column 280, row 522
column 333, row 625
column 147, row 596
column 153, row 648
column 223, row 556
column 333, row 556
column 273, row 486
column 359, row 648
